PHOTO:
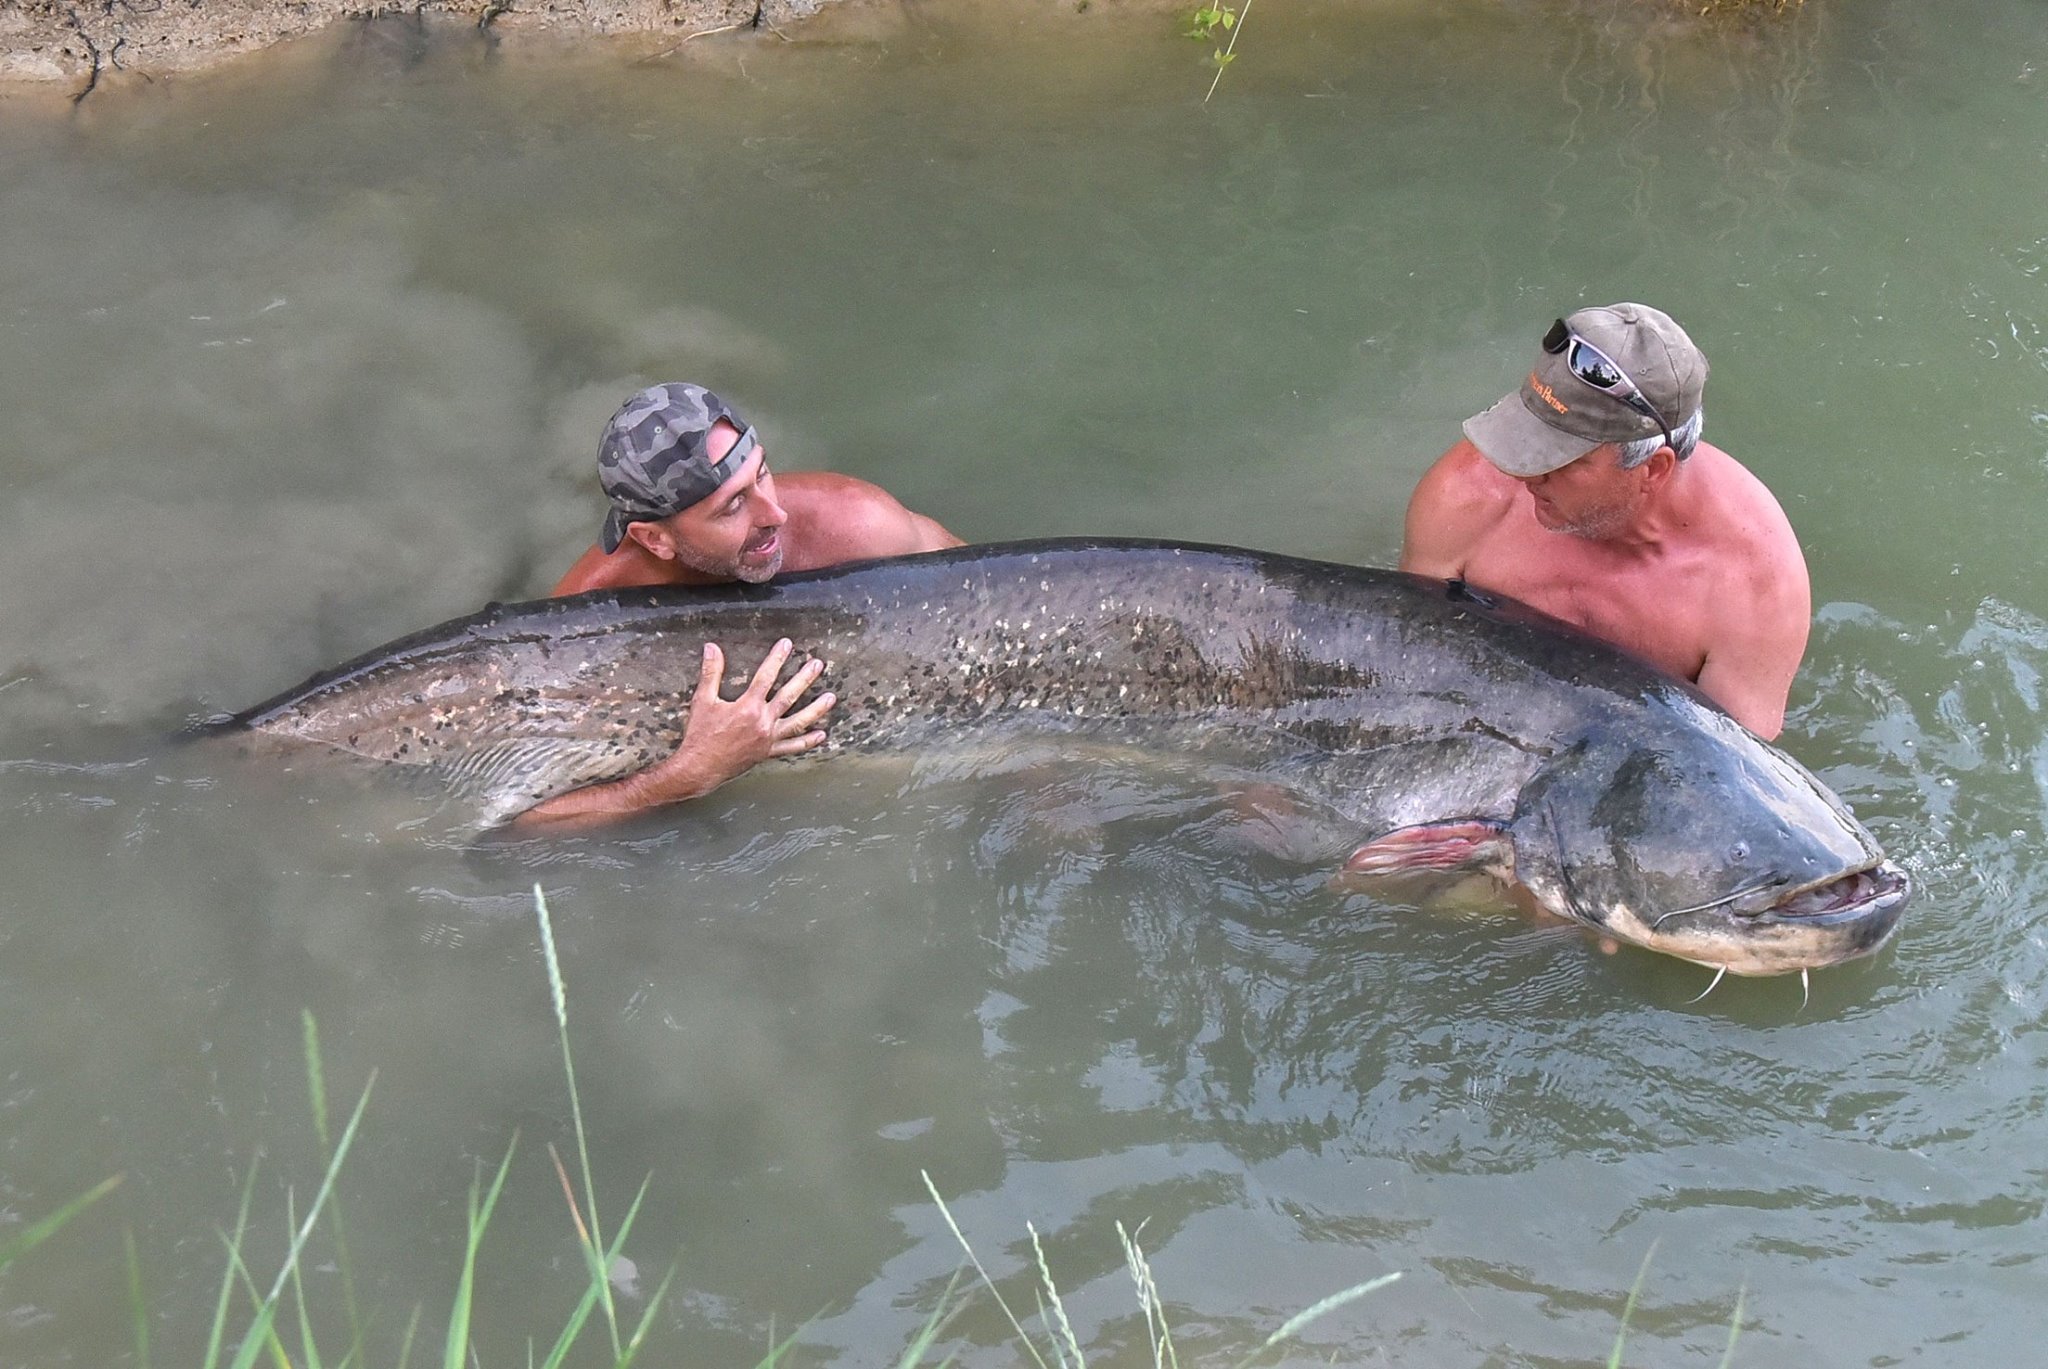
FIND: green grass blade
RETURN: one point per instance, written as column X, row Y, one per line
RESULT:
column 55, row 1222
column 776, row 1351
column 326, row 1191
column 1052, row 1294
column 262, row 1332
column 137, row 1303
column 316, row 1087
column 1628, row 1308
column 258, row 1339
column 1059, row 1355
column 465, row 1285
column 316, row 1081
column 780, row 1348
column 1157, row 1334
column 639, row 1337
column 573, row 1327
column 1734, row 1325
column 262, row 1328
column 599, row 1271
column 307, row 1347
column 560, row 997
column 987, row 1282
column 412, row 1325
column 1311, row 1313
column 934, row 1326
column 595, row 1268
column 214, row 1340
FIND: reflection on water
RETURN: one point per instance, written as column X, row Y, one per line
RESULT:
column 311, row 353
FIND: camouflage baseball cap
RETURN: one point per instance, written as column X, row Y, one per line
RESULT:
column 654, row 459
column 1556, row 417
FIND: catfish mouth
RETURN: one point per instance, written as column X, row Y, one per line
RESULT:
column 1878, row 891
column 1770, row 928
column 1810, row 927
column 1874, row 890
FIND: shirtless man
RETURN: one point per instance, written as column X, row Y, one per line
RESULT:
column 1588, row 494
column 693, row 503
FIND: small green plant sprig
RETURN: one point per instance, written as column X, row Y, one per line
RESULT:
column 283, row 1313
column 1203, row 26
column 49, row 1226
column 1204, row 22
column 1065, row 1347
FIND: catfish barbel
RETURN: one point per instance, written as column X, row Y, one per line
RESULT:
column 1456, row 729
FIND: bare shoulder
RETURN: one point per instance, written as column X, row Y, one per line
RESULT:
column 1459, row 499
column 1750, row 524
column 836, row 518
column 626, row 568
column 1762, row 608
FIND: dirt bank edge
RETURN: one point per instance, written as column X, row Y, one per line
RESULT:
column 66, row 42
column 54, row 44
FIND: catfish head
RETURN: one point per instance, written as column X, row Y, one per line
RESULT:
column 1706, row 844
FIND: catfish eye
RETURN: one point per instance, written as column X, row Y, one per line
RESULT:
column 1739, row 851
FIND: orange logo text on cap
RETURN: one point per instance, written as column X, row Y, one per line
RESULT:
column 1548, row 395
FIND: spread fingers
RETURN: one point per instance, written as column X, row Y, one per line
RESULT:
column 796, row 746
column 810, row 714
column 805, row 676
column 764, row 678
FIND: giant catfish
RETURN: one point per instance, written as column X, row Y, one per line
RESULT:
column 1453, row 728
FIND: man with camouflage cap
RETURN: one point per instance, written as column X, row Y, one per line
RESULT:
column 693, row 503
column 1588, row 494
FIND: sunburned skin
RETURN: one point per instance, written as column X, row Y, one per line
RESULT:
column 757, row 525
column 1690, row 565
column 753, row 527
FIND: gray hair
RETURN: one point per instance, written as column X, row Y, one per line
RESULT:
column 1684, row 438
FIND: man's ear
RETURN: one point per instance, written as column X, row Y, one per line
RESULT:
column 1663, row 463
column 654, row 538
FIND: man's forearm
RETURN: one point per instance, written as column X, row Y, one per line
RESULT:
column 616, row 798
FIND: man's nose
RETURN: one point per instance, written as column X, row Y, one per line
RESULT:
column 772, row 514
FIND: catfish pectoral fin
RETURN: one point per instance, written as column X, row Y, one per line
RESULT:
column 1463, row 844
column 505, row 778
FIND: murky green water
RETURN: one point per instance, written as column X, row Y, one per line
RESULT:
column 303, row 356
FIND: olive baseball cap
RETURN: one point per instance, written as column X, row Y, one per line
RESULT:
column 1556, row 417
column 654, row 459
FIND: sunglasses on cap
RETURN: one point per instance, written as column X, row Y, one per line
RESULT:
column 1599, row 370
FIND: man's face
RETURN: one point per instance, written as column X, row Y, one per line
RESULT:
column 735, row 533
column 1593, row 497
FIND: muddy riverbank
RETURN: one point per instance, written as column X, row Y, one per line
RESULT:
column 60, row 42
column 60, row 45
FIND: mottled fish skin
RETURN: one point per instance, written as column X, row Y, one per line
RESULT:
column 1401, row 701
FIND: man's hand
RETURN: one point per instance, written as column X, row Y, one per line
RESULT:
column 721, row 740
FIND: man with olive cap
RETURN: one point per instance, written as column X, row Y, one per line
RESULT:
column 1588, row 494
column 693, row 503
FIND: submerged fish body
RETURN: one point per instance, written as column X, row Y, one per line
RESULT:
column 1455, row 728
